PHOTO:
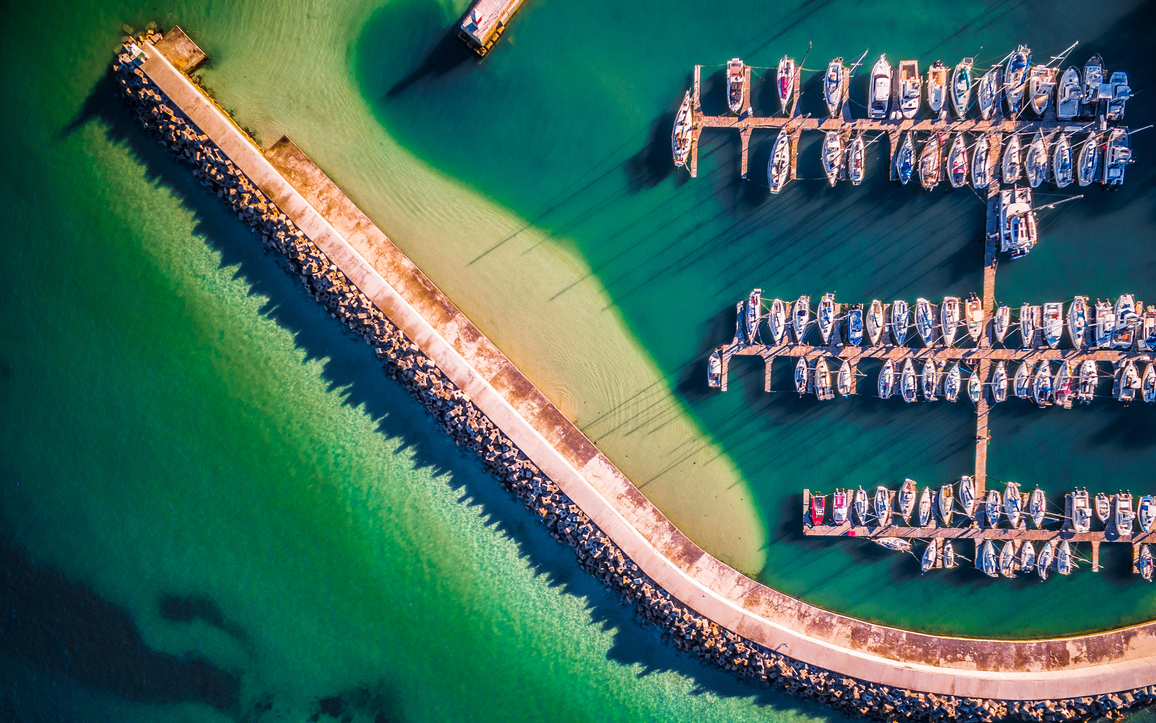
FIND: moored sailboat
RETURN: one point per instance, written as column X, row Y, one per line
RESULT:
column 973, row 316
column 822, row 382
column 1042, row 386
column 1007, row 560
column 930, row 378
column 987, row 93
column 951, row 383
column 860, row 505
column 931, row 162
column 1062, row 162
column 1144, row 563
column 1037, row 507
column 1053, row 323
column 930, row 556
column 999, row 382
column 1105, row 324
column 1146, row 513
column 832, row 156
column 1093, row 78
column 900, row 321
column 1011, row 159
column 907, row 383
column 1068, row 94
column 856, row 156
column 957, row 165
column 883, row 506
column 1089, row 378
column 714, row 369
column 905, row 159
column 949, row 318
column 961, row 88
column 1021, row 386
column 1012, row 504
column 1041, row 82
column 985, row 559
column 886, row 383
column 981, row 162
column 835, row 86
column 1016, row 78
column 873, row 322
column 779, row 166
column 991, row 508
column 1064, row 558
column 786, row 81
column 925, row 507
column 1078, row 321
column 825, row 316
column 1029, row 325
column 777, row 320
column 907, row 499
column 1001, row 322
column 974, row 387
column 680, row 135
column 1027, row 561
column 948, row 555
column 1088, row 162
column 752, row 315
column 1063, row 385
column 1036, row 162
column 967, row 495
column 1148, row 383
column 946, row 504
column 802, row 376
column 845, row 378
column 924, row 320
column 801, row 317
column 1045, row 559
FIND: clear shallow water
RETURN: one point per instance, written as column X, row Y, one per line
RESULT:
column 580, row 100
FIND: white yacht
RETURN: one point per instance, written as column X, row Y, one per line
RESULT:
column 879, row 89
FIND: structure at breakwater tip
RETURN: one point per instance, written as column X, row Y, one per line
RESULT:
column 484, row 23
column 488, row 407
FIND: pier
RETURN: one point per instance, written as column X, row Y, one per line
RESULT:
column 485, row 22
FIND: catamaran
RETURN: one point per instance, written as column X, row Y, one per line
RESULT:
column 1081, row 511
column 1124, row 513
column 937, row 86
column 1011, row 160
column 777, row 320
column 957, row 165
column 900, row 321
column 886, row 384
column 967, row 495
column 961, row 88
column 1053, row 323
column 907, row 383
column 786, row 78
column 910, row 87
column 906, row 502
column 1012, row 504
column 951, row 383
column 905, row 159
column 973, row 316
column 825, row 316
column 1088, row 161
column 861, row 505
column 1117, row 156
column 840, row 505
column 802, row 376
column 714, row 369
column 1036, row 163
column 801, row 317
column 1045, row 559
column 779, row 167
column 1089, row 378
column 1063, row 385
column 930, row 555
column 999, row 382
column 1018, row 231
column 832, row 156
column 1062, row 162
column 931, row 162
column 873, row 322
column 1037, row 507
column 974, row 387
column 736, row 77
column 1078, row 321
column 1022, row 383
column 930, row 380
column 924, row 320
column 1042, row 387
column 855, row 158
column 946, row 503
column 1068, row 94
column 1041, row 82
column 883, row 506
column 1016, row 78
column 925, row 507
column 754, row 312
column 987, row 93
column 949, row 319
column 985, row 560
column 835, row 86
column 680, row 135
column 879, row 89
column 844, row 379
column 981, row 162
column 1001, row 323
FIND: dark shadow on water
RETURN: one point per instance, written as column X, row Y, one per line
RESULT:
column 654, row 163
column 194, row 608
column 449, row 54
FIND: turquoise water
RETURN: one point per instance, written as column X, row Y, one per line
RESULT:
column 580, row 100
column 213, row 506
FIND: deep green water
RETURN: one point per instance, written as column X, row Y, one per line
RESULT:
column 212, row 504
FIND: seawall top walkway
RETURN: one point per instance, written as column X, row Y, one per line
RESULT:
column 1008, row 670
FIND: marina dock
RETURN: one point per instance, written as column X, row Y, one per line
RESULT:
column 485, row 22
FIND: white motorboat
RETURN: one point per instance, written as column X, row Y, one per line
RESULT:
column 801, row 317
column 1147, row 333
column 1036, row 162
column 1120, row 93
column 967, row 495
column 930, row 380
column 957, row 165
column 1001, row 322
column 961, row 88
column 930, row 555
column 1144, row 563
column 1012, row 165
column 886, row 383
column 1022, row 383
column 1105, row 324
column 832, row 156
column 991, row 508
column 752, row 314
column 873, row 322
column 907, row 383
column 1063, row 385
column 981, row 162
column 910, row 87
column 1088, row 161
column 925, row 320
column 986, row 560
column 949, row 318
column 900, row 321
column 987, row 93
column 1148, row 383
column 681, row 133
column 1081, row 511
column 835, row 86
column 1103, row 507
column 905, row 159
column 907, row 499
column 786, row 81
column 1129, row 383
column 1018, row 230
column 1053, row 323
column 951, row 383
column 974, row 387
column 845, row 379
column 1126, row 322
column 999, row 382
column 856, row 156
column 879, row 89
column 1124, row 514
column 825, row 316
column 1068, row 94
column 1062, row 162
column 777, row 320
column 736, row 76
column 1012, row 504
column 1041, row 83
column 883, row 506
column 1037, row 507
column 1078, row 321
column 1027, row 560
column 1045, row 559
column 948, row 555
column 1093, row 80
column 1015, row 79
column 802, row 376
column 1089, row 378
column 937, row 87
column 946, row 503
column 840, row 506
column 860, row 505
column 822, row 380
column 1117, row 156
column 925, row 507
column 973, row 317
column 1042, row 388
column 931, row 162
column 779, row 166
column 1064, row 558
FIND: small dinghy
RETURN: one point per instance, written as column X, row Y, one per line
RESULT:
column 714, row 369
column 1086, row 164
column 845, row 379
column 961, row 88
column 886, row 384
column 937, row 87
column 900, row 321
column 855, row 325
column 1012, row 165
column 779, row 167
column 1041, row 83
column 801, row 317
column 883, row 505
column 1022, row 383
column 1148, row 384
column 856, row 156
column 1042, row 386
column 1144, row 563
column 832, row 156
column 1062, row 162
column 873, row 323
column 825, row 316
column 835, row 86
column 1037, row 507
column 907, row 499
column 981, row 162
column 818, row 508
column 1068, row 94
column 777, row 320
column 895, row 544
column 1089, row 378
column 973, row 317
column 974, row 387
column 1007, row 560
column 999, row 382
column 1081, row 511
column 786, row 81
column 822, row 380
column 987, row 92
column 991, row 508
column 1078, row 321
column 948, row 555
column 1124, row 514
column 946, row 504
column 840, row 506
column 1036, row 162
column 951, row 383
column 1064, row 558
column 736, row 73
column 1053, row 323
column 967, row 495
column 1063, row 385
column 1045, row 559
column 860, row 505
column 1002, row 322
column 802, row 376
column 1012, row 504
column 907, row 383
column 930, row 556
column 905, row 159
column 925, row 507
column 924, row 320
column 1146, row 514
column 986, row 561
column 949, row 318
column 752, row 315
column 1027, row 557
column 1103, row 507
column 680, row 135
column 1015, row 79
column 879, row 89
column 957, row 165
column 931, row 162
column 930, row 379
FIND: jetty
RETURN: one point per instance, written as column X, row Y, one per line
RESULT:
column 485, row 22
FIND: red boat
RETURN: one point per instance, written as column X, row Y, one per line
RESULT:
column 818, row 509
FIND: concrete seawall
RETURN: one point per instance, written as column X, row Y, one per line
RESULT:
column 490, row 407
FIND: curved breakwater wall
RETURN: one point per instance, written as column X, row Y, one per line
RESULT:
column 470, row 428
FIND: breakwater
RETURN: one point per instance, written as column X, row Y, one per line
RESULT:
column 688, row 630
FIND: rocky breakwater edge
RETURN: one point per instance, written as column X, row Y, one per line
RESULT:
column 404, row 361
